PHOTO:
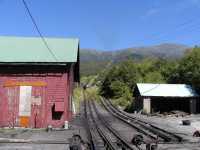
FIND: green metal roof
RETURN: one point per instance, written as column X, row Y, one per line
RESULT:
column 32, row 49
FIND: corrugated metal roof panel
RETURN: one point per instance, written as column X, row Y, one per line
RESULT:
column 166, row 90
column 32, row 49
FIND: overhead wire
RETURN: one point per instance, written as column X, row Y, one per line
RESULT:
column 177, row 29
column 38, row 30
column 182, row 26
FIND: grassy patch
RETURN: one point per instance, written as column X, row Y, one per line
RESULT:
column 92, row 93
column 78, row 98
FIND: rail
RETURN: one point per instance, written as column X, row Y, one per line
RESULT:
column 144, row 127
column 125, row 143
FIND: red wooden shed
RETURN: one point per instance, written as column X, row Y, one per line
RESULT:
column 36, row 82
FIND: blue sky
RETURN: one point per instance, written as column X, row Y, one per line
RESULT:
column 106, row 24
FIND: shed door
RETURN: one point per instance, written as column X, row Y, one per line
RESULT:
column 11, row 116
column 38, row 107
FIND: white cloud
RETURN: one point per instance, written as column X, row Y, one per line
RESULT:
column 195, row 1
column 188, row 4
column 149, row 13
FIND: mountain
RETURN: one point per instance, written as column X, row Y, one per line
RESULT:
column 92, row 61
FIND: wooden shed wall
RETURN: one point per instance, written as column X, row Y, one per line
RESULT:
column 44, row 98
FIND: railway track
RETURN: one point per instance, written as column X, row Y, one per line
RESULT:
column 101, row 131
column 109, row 143
column 89, row 128
column 157, row 134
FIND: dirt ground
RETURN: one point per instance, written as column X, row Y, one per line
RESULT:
column 174, row 125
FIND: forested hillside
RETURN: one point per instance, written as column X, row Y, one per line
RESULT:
column 119, row 81
column 93, row 61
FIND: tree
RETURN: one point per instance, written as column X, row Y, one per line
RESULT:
column 188, row 70
column 119, row 80
column 150, row 71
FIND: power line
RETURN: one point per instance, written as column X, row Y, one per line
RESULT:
column 37, row 28
column 177, row 28
column 163, row 35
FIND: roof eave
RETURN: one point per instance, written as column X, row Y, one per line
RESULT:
column 34, row 63
column 183, row 97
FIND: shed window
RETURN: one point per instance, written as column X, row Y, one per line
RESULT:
column 56, row 115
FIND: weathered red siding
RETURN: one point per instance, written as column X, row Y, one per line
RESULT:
column 58, row 89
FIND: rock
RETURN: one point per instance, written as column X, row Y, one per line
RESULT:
column 186, row 122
